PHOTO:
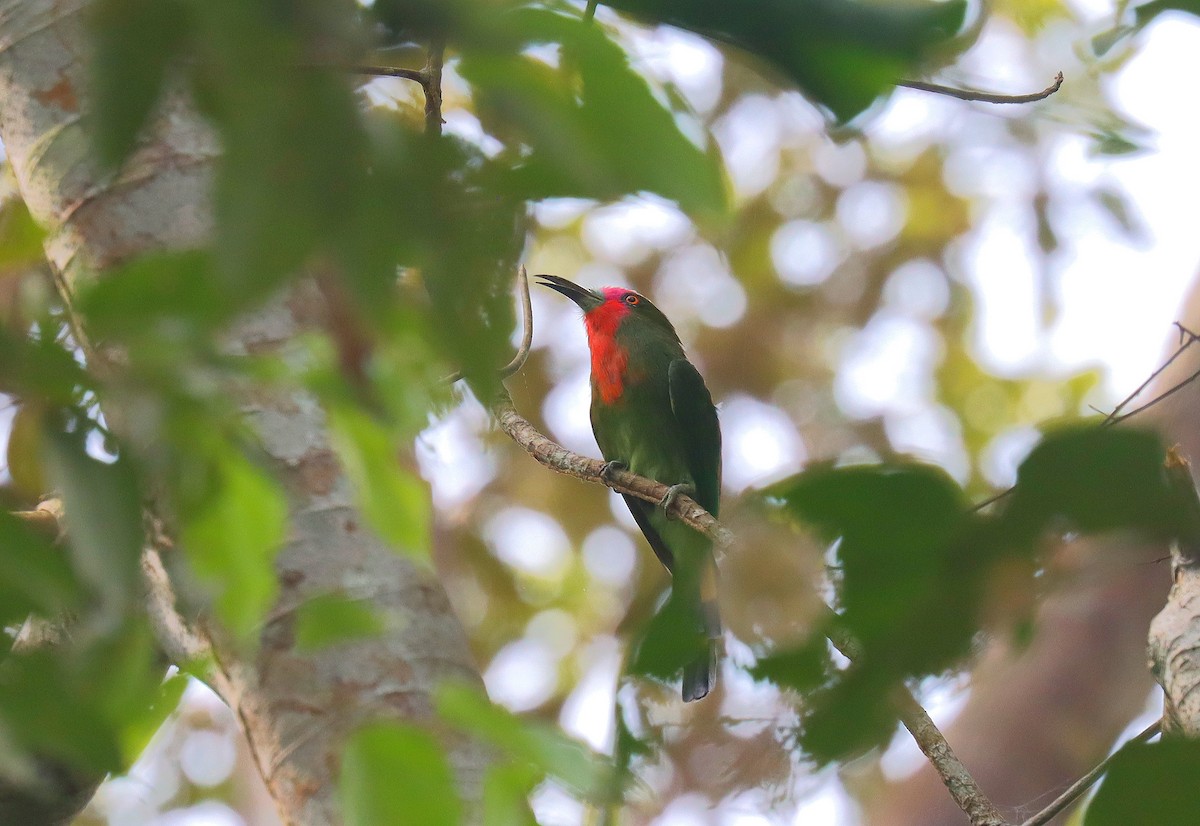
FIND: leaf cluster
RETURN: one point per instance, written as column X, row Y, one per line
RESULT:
column 917, row 567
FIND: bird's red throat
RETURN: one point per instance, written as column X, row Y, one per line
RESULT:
column 609, row 359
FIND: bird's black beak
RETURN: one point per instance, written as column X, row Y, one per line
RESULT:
column 586, row 299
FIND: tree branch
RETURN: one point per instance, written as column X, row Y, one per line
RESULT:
column 983, row 97
column 1084, row 783
column 415, row 75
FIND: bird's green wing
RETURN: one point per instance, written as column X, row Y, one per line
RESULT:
column 696, row 418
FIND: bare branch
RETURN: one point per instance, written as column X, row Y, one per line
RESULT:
column 558, row 458
column 415, row 75
column 1187, row 342
column 1084, row 783
column 983, row 97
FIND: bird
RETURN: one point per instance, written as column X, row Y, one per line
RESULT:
column 653, row 415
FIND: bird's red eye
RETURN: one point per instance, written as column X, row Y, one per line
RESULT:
column 632, row 300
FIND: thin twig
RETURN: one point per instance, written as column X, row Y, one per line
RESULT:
column 1114, row 416
column 518, row 360
column 1159, row 398
column 983, row 97
column 415, row 75
column 1084, row 783
column 590, row 12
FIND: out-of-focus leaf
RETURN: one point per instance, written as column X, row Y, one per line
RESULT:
column 506, row 790
column 1094, row 479
column 801, row 668
column 24, row 452
column 232, row 532
column 45, row 708
column 135, row 41
column 34, row 576
column 1146, row 12
column 464, row 228
column 851, row 716
column 332, row 618
column 145, row 295
column 395, row 775
column 103, row 508
column 292, row 166
column 668, row 642
column 842, row 53
column 534, row 742
column 1149, row 783
column 1112, row 142
column 394, row 500
column 138, row 732
column 120, row 675
column 909, row 580
column 20, row 237
column 40, row 369
column 580, row 128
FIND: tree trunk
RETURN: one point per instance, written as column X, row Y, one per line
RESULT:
column 295, row 706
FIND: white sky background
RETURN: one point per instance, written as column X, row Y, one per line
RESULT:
column 1118, row 302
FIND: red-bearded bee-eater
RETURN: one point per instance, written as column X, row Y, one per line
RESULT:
column 652, row 414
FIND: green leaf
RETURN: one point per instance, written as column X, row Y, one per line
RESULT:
column 842, row 53
column 134, row 42
column 531, row 741
column 46, row 708
column 578, row 120
column 231, row 533
column 801, row 669
column 910, row 581
column 1093, row 479
column 1149, row 783
column 146, row 295
column 669, row 641
column 103, row 507
column 138, row 732
column 396, row 775
column 35, row 577
column 328, row 619
column 506, row 790
column 849, row 717
column 20, row 237
column 394, row 500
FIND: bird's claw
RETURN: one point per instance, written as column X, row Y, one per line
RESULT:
column 673, row 493
column 609, row 467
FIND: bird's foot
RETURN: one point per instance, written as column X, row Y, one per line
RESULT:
column 673, row 494
column 609, row 467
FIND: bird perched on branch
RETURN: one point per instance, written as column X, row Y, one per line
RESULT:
column 652, row 414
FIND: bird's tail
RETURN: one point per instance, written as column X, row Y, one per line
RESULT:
column 700, row 675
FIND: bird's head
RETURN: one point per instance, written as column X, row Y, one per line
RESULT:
column 610, row 310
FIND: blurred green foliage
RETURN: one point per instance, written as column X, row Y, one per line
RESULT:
column 416, row 236
column 915, row 562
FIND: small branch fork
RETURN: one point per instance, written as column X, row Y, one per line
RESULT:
column 983, row 97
